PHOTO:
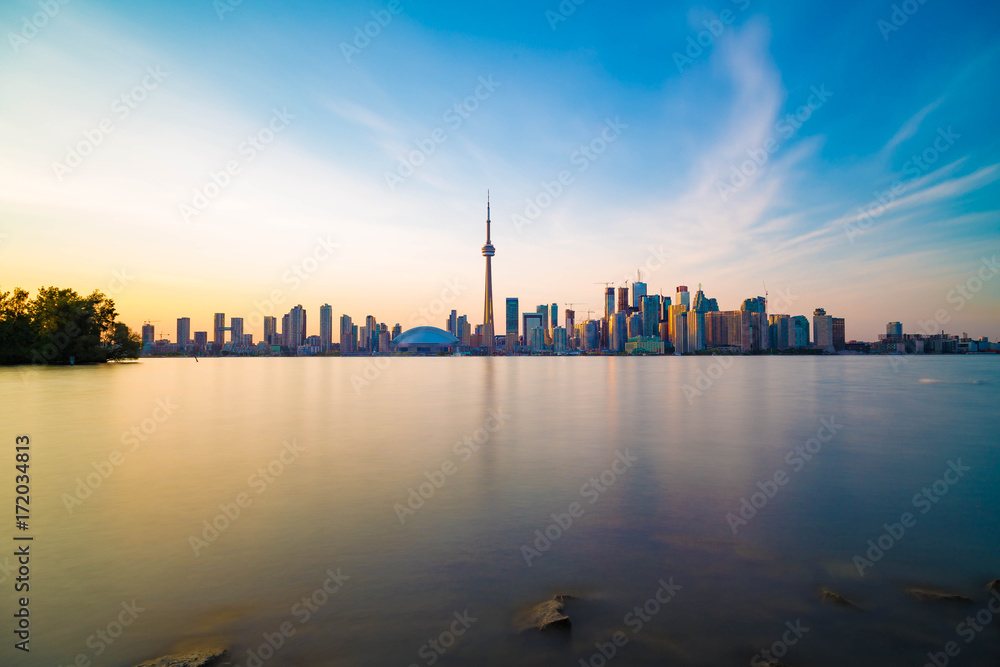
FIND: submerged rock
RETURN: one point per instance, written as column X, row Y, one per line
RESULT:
column 837, row 599
column 547, row 616
column 933, row 596
column 192, row 659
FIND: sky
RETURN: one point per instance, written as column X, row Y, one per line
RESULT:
column 195, row 157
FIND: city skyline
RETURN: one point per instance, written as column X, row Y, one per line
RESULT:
column 714, row 148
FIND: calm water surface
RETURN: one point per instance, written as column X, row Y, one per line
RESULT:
column 324, row 453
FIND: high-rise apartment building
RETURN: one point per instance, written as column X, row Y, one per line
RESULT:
column 822, row 330
column 270, row 329
column 236, row 330
column 219, row 328
column 839, row 335
column 296, row 328
column 325, row 327
column 183, row 331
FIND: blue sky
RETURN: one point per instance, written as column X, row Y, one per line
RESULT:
column 659, row 189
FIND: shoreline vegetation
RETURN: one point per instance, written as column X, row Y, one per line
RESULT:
column 60, row 327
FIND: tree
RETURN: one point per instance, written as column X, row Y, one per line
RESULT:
column 124, row 343
column 17, row 333
column 59, row 325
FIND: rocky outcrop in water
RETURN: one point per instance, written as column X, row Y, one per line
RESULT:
column 837, row 599
column 925, row 595
column 192, row 659
column 546, row 617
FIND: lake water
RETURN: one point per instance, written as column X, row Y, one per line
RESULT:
column 323, row 454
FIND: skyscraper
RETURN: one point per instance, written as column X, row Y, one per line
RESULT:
column 236, row 330
column 839, row 336
column 148, row 334
column 798, row 332
column 650, row 315
column 822, row 330
column 488, row 252
column 894, row 329
column 218, row 327
column 683, row 297
column 296, row 328
column 325, row 327
column 543, row 310
column 512, row 325
column 512, row 315
column 270, row 329
column 346, row 335
column 609, row 302
column 622, row 301
column 183, row 331
column 638, row 292
column 555, row 315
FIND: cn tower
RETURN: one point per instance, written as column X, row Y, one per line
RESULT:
column 488, row 252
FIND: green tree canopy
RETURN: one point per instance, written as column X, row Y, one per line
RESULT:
column 59, row 325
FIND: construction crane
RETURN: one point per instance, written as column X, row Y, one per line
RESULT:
column 573, row 303
column 606, row 284
column 589, row 312
column 765, row 294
